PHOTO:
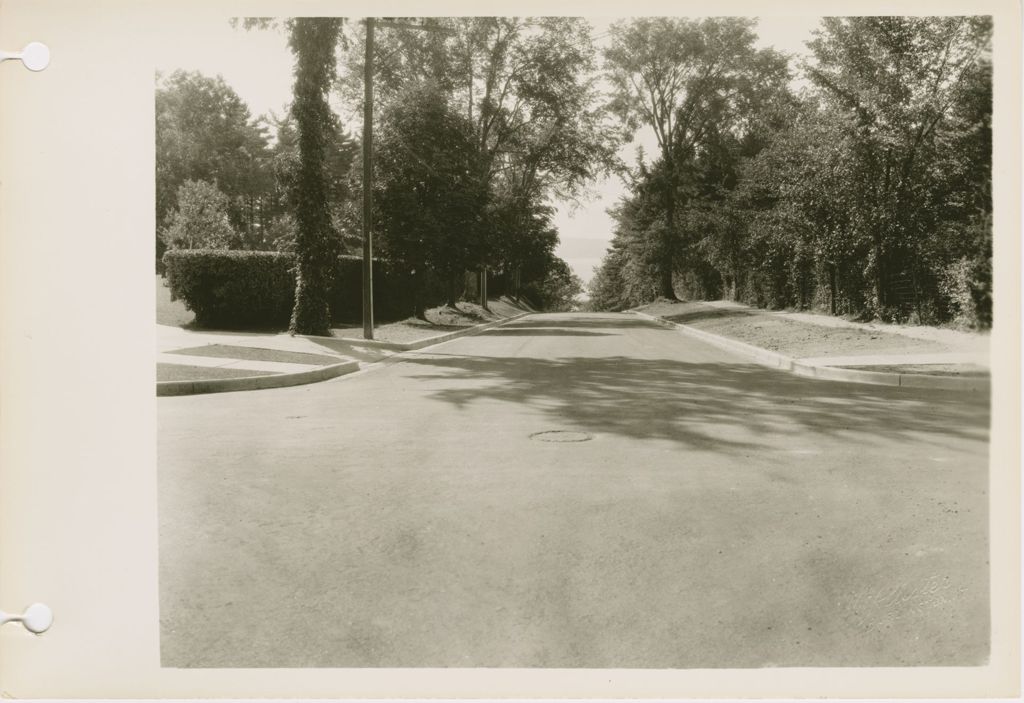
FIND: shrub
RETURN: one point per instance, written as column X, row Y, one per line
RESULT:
column 201, row 219
column 232, row 289
column 256, row 289
column 962, row 284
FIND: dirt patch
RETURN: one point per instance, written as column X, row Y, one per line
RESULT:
column 790, row 337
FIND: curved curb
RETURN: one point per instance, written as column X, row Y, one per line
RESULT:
column 252, row 383
column 420, row 343
column 826, row 373
column 355, row 341
column 468, row 332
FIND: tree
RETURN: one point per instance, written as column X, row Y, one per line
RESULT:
column 525, row 85
column 523, row 237
column 690, row 81
column 313, row 40
column 204, row 131
column 790, row 218
column 341, row 151
column 629, row 272
column 200, row 220
column 903, row 83
column 558, row 290
column 869, row 195
column 430, row 196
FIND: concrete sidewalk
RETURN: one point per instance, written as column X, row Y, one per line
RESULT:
column 965, row 347
column 191, row 362
column 897, row 355
column 898, row 359
column 216, row 362
column 174, row 338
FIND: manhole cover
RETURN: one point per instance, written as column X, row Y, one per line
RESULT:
column 561, row 436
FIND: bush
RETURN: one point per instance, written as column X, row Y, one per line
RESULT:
column 963, row 285
column 232, row 289
column 200, row 220
column 256, row 289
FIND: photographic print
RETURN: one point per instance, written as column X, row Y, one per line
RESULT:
column 650, row 342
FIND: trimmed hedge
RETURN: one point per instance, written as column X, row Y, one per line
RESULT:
column 230, row 289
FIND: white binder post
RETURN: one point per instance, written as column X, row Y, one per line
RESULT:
column 37, row 618
column 35, row 56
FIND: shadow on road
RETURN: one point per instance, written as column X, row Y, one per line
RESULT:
column 718, row 407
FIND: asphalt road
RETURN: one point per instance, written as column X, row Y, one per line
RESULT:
column 719, row 513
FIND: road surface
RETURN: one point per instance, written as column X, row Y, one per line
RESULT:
column 716, row 514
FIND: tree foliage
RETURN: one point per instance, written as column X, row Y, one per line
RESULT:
column 204, row 131
column 200, row 219
column 430, row 194
column 340, row 158
column 526, row 89
column 558, row 290
column 701, row 86
column 898, row 81
column 869, row 195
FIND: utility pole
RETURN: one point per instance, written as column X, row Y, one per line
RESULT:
column 368, row 183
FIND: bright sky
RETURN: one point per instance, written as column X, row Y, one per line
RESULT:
column 258, row 65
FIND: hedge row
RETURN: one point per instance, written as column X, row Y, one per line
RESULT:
column 256, row 289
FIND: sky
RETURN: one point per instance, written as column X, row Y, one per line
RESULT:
column 258, row 66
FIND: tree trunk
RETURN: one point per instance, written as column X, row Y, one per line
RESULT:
column 879, row 273
column 313, row 41
column 450, row 290
column 917, row 290
column 832, row 288
column 666, row 289
column 419, row 310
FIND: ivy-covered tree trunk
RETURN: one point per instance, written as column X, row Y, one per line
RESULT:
column 312, row 41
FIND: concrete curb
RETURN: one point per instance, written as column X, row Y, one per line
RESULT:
column 825, row 373
column 355, row 341
column 468, row 332
column 420, row 343
column 252, row 383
